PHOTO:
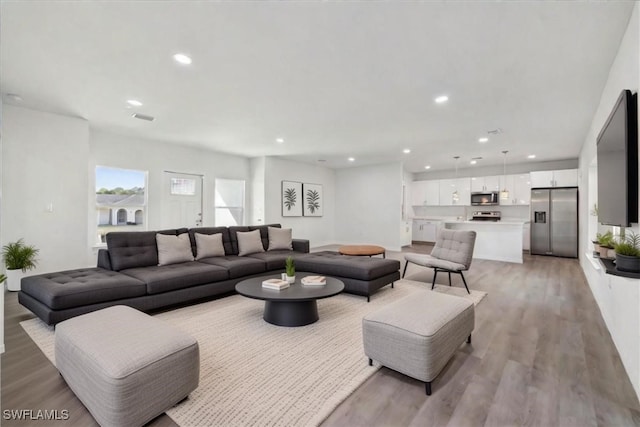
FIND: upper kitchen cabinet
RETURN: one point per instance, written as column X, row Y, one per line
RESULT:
column 425, row 193
column 482, row 184
column 519, row 188
column 447, row 188
column 557, row 178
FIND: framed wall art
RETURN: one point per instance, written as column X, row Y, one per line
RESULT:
column 313, row 202
column 291, row 198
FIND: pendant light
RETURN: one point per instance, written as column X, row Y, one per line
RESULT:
column 504, row 194
column 455, row 197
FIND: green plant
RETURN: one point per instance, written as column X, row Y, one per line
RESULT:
column 290, row 267
column 19, row 256
column 594, row 211
column 2, row 278
column 629, row 245
column 606, row 240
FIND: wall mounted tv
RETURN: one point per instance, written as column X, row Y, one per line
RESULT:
column 618, row 164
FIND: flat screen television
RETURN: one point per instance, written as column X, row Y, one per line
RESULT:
column 618, row 164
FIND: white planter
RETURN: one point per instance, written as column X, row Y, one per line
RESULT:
column 13, row 279
column 291, row 279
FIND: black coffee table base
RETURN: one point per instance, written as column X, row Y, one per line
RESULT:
column 291, row 313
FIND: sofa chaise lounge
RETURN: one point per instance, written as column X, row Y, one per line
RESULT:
column 128, row 273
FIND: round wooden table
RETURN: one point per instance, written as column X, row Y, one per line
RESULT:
column 293, row 306
column 362, row 250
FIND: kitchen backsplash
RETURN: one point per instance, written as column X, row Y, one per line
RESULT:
column 510, row 212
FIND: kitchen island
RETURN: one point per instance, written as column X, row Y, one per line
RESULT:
column 495, row 240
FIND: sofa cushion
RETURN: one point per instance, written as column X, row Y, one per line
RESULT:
column 264, row 235
column 238, row 266
column 208, row 245
column 275, row 260
column 173, row 249
column 264, row 232
column 84, row 286
column 354, row 267
column 249, row 242
column 280, row 238
column 226, row 238
column 164, row 278
column 131, row 249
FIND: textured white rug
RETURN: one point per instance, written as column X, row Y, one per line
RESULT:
column 255, row 373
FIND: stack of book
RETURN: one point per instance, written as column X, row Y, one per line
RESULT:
column 314, row 280
column 276, row 284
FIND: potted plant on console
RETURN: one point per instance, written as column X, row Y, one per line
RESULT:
column 628, row 253
column 18, row 259
column 606, row 242
column 290, row 269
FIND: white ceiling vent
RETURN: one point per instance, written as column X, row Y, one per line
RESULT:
column 143, row 117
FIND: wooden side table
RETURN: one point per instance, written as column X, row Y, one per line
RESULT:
column 362, row 250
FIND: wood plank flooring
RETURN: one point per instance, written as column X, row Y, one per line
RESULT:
column 541, row 356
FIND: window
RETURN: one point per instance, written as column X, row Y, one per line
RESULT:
column 229, row 202
column 183, row 186
column 121, row 202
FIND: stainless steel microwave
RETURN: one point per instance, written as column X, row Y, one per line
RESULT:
column 485, row 199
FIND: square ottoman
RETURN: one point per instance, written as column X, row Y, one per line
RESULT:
column 418, row 334
column 125, row 366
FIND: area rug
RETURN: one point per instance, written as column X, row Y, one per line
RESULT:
column 255, row 373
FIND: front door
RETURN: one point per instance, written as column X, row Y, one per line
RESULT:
column 182, row 200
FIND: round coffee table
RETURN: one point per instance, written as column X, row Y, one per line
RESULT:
column 293, row 306
column 362, row 250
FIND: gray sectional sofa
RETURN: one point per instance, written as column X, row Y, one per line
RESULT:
column 128, row 274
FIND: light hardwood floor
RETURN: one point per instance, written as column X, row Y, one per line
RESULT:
column 541, row 356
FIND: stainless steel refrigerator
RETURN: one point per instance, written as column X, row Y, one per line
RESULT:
column 554, row 222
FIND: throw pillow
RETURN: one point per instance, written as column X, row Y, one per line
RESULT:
column 208, row 245
column 249, row 242
column 279, row 238
column 173, row 249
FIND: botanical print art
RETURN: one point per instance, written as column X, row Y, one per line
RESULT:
column 291, row 198
column 313, row 201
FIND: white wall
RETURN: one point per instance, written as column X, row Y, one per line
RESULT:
column 368, row 205
column 618, row 298
column 256, row 191
column 44, row 160
column 318, row 230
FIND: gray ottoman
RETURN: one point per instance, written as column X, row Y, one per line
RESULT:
column 125, row 366
column 417, row 335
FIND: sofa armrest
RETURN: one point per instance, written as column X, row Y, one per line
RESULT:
column 301, row 245
column 104, row 260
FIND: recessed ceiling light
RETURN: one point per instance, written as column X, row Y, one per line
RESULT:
column 473, row 162
column 351, row 159
column 441, row 99
column 279, row 140
column 427, row 167
column 531, row 156
column 182, row 58
column 406, row 151
column 483, row 140
column 134, row 102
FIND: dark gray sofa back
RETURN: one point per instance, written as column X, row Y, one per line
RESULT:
column 131, row 249
column 226, row 237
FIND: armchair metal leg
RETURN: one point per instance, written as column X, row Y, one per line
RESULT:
column 449, row 277
column 465, row 282
column 427, row 387
column 406, row 264
column 435, row 273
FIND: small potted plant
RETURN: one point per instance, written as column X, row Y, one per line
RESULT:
column 606, row 242
column 18, row 259
column 290, row 269
column 628, row 253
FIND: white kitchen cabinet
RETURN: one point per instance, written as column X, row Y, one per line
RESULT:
column 556, row 178
column 526, row 236
column 519, row 187
column 482, row 184
column 425, row 193
column 461, row 185
column 424, row 230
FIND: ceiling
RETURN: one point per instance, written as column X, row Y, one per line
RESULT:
column 333, row 79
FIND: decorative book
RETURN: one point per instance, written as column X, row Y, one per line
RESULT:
column 314, row 280
column 276, row 284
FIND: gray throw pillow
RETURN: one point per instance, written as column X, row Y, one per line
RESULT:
column 280, row 238
column 208, row 245
column 173, row 249
column 249, row 242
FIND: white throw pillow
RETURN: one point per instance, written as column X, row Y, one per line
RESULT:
column 173, row 249
column 249, row 242
column 208, row 245
column 280, row 238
